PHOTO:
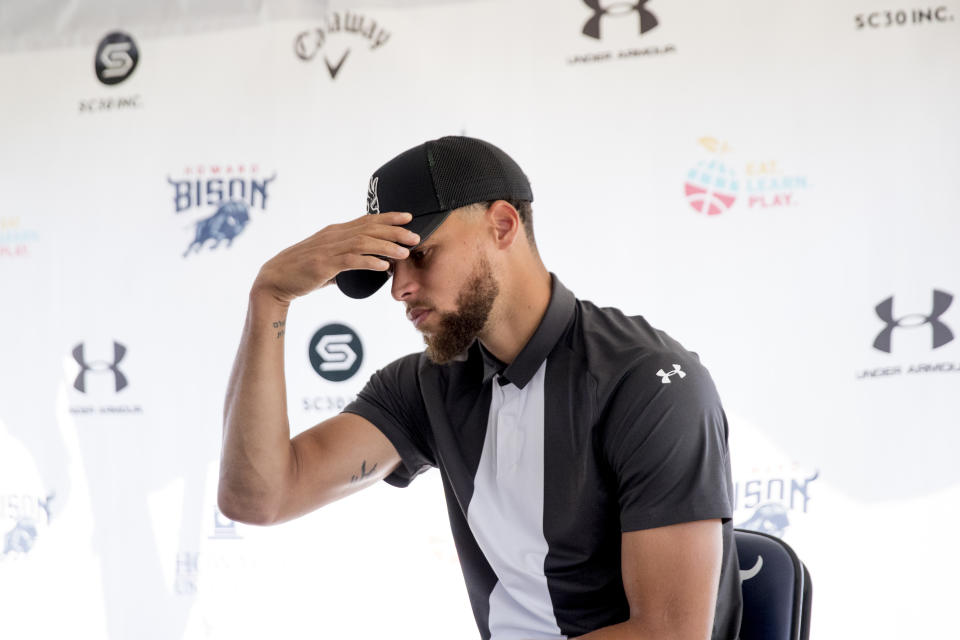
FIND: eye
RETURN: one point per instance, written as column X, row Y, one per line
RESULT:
column 419, row 255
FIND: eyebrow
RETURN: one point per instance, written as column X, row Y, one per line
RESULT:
column 427, row 244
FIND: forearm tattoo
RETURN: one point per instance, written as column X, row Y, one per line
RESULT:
column 280, row 326
column 363, row 472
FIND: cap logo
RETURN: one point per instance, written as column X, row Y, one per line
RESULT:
column 373, row 200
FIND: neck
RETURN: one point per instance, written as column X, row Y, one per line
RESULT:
column 517, row 313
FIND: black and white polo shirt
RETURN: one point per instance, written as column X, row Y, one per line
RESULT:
column 602, row 424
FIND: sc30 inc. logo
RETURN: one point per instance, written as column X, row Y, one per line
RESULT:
column 336, row 352
column 116, row 58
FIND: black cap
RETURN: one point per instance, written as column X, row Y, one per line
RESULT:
column 431, row 180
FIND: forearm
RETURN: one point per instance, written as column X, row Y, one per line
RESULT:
column 622, row 631
column 256, row 453
column 632, row 630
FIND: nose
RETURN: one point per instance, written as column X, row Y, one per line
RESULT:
column 404, row 283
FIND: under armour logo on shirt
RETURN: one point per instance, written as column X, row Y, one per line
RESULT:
column 665, row 376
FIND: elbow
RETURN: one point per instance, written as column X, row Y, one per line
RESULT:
column 245, row 509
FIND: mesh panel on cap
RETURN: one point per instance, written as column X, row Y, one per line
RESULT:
column 467, row 170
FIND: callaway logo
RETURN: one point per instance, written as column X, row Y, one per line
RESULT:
column 592, row 27
column 373, row 201
column 336, row 24
column 941, row 332
column 334, row 69
column 665, row 376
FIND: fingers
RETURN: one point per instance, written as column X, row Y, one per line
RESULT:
column 385, row 226
column 393, row 234
column 390, row 217
column 370, row 242
column 373, row 263
column 362, row 244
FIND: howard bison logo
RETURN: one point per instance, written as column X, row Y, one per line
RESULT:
column 227, row 223
column 20, row 539
column 236, row 190
column 770, row 518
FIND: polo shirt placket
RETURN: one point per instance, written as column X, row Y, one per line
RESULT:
column 506, row 511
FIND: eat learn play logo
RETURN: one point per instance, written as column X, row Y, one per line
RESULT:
column 722, row 179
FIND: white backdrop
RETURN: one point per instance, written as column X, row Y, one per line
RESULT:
column 755, row 178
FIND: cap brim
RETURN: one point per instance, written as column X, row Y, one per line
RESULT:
column 363, row 283
column 425, row 225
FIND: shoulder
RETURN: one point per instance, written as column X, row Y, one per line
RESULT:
column 401, row 376
column 652, row 392
column 618, row 349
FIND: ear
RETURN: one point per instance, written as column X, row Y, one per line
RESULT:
column 504, row 222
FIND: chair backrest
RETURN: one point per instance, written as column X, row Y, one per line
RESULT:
column 777, row 592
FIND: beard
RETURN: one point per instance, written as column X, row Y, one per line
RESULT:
column 458, row 329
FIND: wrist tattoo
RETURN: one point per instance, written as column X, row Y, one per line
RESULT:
column 280, row 326
column 363, row 472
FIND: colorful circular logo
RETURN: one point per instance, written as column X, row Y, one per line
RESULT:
column 711, row 188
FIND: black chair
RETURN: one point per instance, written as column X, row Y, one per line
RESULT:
column 777, row 592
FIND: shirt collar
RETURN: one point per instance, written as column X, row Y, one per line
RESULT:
column 551, row 327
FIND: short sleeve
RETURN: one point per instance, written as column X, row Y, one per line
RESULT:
column 666, row 442
column 391, row 400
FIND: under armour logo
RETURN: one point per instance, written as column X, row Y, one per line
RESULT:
column 665, row 376
column 941, row 332
column 373, row 200
column 592, row 27
column 99, row 366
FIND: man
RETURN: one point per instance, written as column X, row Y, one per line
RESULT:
column 583, row 453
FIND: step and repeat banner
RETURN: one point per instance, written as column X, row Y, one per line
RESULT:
column 773, row 184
